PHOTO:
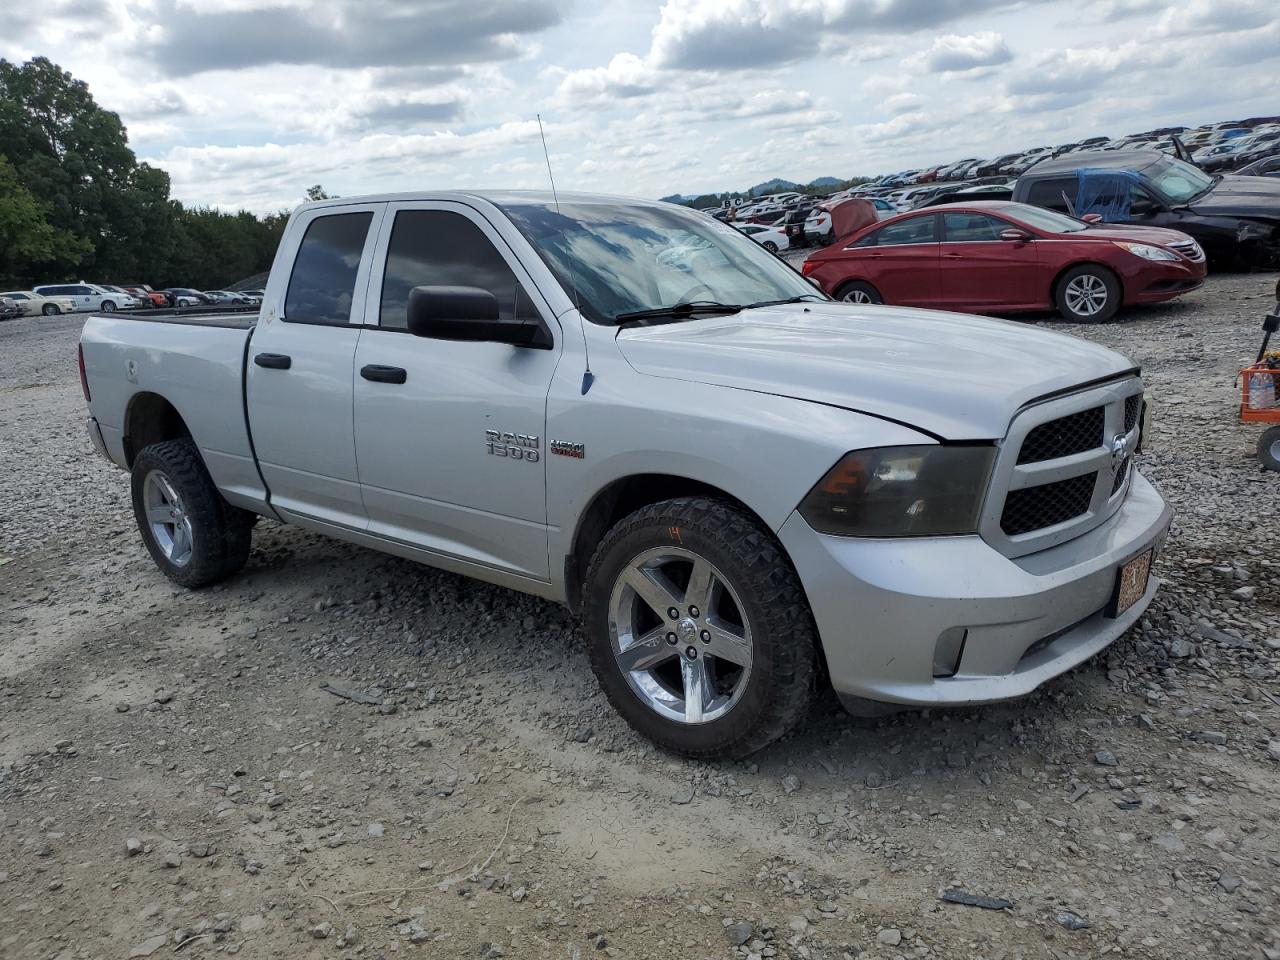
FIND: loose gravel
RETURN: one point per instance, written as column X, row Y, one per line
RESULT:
column 342, row 754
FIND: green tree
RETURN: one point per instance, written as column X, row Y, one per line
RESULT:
column 317, row 192
column 26, row 238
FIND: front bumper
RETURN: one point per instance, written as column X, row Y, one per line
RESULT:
column 881, row 606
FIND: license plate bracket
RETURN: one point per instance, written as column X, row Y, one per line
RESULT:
column 1131, row 582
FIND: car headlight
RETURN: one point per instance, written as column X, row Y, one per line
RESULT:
column 919, row 491
column 1146, row 251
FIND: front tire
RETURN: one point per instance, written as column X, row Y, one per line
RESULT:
column 770, row 246
column 51, row 310
column 194, row 536
column 1269, row 449
column 1088, row 293
column 740, row 672
column 859, row 291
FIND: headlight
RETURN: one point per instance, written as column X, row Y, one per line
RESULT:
column 921, row 491
column 1146, row 251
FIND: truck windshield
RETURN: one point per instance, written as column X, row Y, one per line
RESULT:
column 624, row 258
column 1177, row 181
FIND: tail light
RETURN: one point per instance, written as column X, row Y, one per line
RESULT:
column 84, row 380
column 806, row 268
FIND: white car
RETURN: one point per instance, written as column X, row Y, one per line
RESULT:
column 88, row 297
column 762, row 495
column 772, row 239
column 32, row 304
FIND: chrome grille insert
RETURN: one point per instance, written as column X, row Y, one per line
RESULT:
column 1063, row 468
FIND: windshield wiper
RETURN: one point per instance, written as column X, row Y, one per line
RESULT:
column 678, row 311
column 803, row 298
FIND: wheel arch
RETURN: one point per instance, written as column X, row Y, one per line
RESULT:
column 150, row 418
column 624, row 496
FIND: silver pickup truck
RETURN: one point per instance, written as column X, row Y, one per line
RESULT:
column 744, row 488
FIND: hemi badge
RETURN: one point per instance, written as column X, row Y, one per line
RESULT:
column 566, row 448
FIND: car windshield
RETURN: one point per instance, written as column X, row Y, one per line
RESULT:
column 1178, row 181
column 1048, row 220
column 621, row 258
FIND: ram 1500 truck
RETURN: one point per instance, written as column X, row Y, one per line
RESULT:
column 628, row 407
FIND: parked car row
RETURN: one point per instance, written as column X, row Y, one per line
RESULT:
column 58, row 298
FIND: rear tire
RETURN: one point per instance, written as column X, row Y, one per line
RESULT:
column 1089, row 293
column 859, row 291
column 51, row 310
column 745, row 644
column 194, row 536
column 108, row 306
column 1269, row 449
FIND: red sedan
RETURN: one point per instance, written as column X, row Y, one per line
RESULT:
column 1001, row 257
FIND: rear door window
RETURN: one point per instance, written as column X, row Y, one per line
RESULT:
column 909, row 231
column 322, row 285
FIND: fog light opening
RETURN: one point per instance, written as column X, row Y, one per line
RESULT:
column 947, row 652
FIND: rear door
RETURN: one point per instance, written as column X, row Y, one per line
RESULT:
column 299, row 371
column 979, row 270
column 452, row 459
column 901, row 260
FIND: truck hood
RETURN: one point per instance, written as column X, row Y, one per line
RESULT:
column 954, row 376
column 1255, row 197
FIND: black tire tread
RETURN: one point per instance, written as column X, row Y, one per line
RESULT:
column 773, row 582
column 1269, row 437
column 222, row 533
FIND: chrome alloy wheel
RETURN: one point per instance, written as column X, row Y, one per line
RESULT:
column 857, row 296
column 167, row 518
column 680, row 635
column 1086, row 295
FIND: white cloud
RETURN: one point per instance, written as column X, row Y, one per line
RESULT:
column 957, row 54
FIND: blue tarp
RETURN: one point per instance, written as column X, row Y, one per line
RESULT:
column 1108, row 193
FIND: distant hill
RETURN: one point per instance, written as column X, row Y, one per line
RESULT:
column 675, row 198
column 826, row 182
column 776, row 185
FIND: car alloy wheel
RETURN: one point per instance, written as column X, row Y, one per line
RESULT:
column 167, row 517
column 1086, row 295
column 108, row 306
column 50, row 310
column 857, row 295
column 680, row 635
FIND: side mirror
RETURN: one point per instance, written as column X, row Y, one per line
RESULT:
column 1092, row 218
column 1014, row 235
column 467, row 313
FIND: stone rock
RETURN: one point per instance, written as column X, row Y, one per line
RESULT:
column 1169, row 841
column 738, row 933
column 582, row 734
column 376, row 829
column 132, row 847
column 890, row 937
column 1228, row 881
column 1069, row 920
column 1106, row 758
column 682, row 797
column 1215, row 737
column 790, row 783
column 149, row 946
column 1244, row 593
column 321, row 931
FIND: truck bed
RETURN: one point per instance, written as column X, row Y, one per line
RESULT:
column 234, row 318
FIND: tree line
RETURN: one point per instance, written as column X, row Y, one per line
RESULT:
column 76, row 204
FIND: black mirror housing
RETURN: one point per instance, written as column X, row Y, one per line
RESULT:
column 467, row 313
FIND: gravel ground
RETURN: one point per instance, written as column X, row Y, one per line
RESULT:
column 173, row 775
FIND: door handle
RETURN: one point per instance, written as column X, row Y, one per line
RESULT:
column 380, row 374
column 953, row 256
column 274, row 361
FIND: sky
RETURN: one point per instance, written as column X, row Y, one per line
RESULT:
column 246, row 103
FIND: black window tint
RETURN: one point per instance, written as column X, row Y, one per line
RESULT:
column 431, row 248
column 324, row 274
column 970, row 228
column 1050, row 193
column 913, row 230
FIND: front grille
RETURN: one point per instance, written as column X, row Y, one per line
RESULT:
column 1074, row 433
column 1188, row 248
column 1034, row 508
column 1132, row 410
column 1121, row 474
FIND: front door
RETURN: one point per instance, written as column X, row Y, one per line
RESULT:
column 981, row 271
column 299, row 368
column 452, row 452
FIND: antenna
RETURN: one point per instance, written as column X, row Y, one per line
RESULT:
column 587, row 376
